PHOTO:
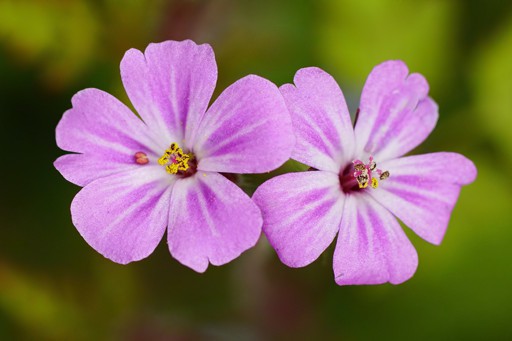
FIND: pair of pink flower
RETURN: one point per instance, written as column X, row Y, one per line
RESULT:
column 143, row 177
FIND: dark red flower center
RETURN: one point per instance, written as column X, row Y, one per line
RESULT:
column 357, row 175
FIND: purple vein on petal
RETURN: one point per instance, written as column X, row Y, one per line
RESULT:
column 372, row 247
column 315, row 199
column 301, row 213
column 410, row 186
column 206, row 192
column 232, row 143
column 146, row 202
column 326, row 145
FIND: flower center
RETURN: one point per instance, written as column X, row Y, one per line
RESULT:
column 359, row 175
column 178, row 162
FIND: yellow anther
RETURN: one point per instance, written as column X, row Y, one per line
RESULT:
column 164, row 159
column 174, row 159
column 362, row 181
column 183, row 165
column 384, row 175
column 172, row 168
column 363, row 173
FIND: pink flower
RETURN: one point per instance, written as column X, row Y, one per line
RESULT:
column 362, row 178
column 143, row 176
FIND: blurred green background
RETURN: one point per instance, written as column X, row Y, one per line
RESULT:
column 54, row 286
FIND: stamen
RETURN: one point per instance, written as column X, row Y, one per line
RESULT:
column 384, row 175
column 363, row 173
column 362, row 180
column 360, row 167
column 141, row 158
column 175, row 160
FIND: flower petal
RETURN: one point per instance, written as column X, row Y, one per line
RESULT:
column 81, row 169
column 423, row 189
column 321, row 121
column 170, row 85
column 372, row 248
column 301, row 214
column 395, row 113
column 246, row 130
column 211, row 220
column 107, row 134
column 123, row 216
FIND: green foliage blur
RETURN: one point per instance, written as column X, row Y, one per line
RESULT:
column 53, row 286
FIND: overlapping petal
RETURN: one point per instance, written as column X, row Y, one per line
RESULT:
column 423, row 189
column 211, row 220
column 124, row 216
column 395, row 113
column 170, row 86
column 105, row 132
column 372, row 248
column 321, row 121
column 246, row 130
column 301, row 214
